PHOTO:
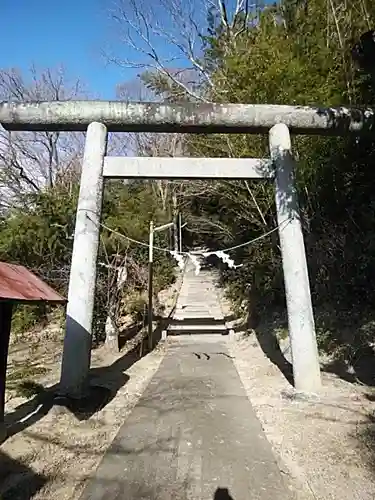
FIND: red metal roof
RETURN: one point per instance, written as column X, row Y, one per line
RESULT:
column 19, row 284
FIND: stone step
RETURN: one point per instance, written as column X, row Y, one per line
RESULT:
column 200, row 303
column 193, row 310
column 199, row 320
column 196, row 329
column 197, row 325
column 197, row 308
column 204, row 314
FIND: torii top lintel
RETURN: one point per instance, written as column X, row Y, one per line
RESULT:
column 184, row 117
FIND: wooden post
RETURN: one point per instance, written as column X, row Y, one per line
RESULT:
column 150, row 278
column 5, row 324
column 175, row 223
column 180, row 231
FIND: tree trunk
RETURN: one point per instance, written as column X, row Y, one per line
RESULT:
column 175, row 224
column 111, row 332
column 253, row 317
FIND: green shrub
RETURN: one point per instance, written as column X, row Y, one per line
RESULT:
column 26, row 317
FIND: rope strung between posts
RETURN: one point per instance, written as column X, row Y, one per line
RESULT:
column 251, row 241
column 221, row 254
column 120, row 235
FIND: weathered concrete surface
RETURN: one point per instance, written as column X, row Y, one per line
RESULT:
column 193, row 431
column 183, row 168
column 79, row 315
column 306, row 368
column 186, row 118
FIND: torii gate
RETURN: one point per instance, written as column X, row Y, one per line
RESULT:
column 100, row 117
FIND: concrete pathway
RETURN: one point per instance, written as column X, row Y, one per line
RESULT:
column 193, row 435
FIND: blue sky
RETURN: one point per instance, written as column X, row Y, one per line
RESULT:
column 49, row 33
column 73, row 33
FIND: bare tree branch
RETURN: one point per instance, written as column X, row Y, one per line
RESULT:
column 30, row 161
column 180, row 35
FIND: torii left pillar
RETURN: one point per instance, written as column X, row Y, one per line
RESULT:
column 79, row 318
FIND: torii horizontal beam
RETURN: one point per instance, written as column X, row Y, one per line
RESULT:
column 121, row 167
column 120, row 116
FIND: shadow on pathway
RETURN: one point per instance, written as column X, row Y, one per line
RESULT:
column 192, row 431
column 17, row 481
column 105, row 382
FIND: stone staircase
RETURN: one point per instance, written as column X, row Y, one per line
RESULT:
column 198, row 308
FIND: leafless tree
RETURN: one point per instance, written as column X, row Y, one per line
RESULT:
column 151, row 144
column 171, row 46
column 117, row 276
column 123, row 275
column 161, row 45
column 30, row 161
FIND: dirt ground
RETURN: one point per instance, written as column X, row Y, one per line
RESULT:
column 325, row 443
column 53, row 448
column 61, row 448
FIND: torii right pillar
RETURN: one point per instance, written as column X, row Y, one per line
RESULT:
column 306, row 368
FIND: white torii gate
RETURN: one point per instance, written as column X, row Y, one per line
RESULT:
column 101, row 117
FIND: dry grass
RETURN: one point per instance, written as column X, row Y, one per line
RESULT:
column 326, row 443
column 64, row 447
column 54, row 448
